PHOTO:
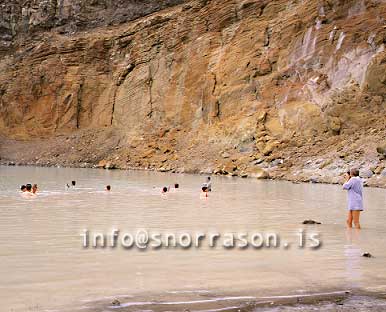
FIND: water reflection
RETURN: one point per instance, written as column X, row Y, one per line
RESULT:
column 353, row 252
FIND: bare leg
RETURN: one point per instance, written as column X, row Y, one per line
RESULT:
column 355, row 216
column 349, row 219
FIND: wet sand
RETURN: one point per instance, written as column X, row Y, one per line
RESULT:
column 344, row 300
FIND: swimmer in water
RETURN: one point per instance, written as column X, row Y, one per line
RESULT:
column 34, row 188
column 28, row 193
column 175, row 188
column 164, row 190
column 204, row 193
column 73, row 183
column 208, row 184
column 23, row 188
column 108, row 188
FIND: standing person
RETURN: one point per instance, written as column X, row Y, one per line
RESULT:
column 354, row 186
column 208, row 184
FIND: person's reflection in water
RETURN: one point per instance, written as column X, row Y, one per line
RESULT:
column 352, row 252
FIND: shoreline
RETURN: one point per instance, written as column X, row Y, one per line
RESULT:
column 110, row 149
column 193, row 172
column 344, row 300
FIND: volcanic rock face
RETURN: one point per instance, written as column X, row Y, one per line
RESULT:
column 294, row 88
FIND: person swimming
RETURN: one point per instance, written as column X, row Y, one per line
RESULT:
column 164, row 190
column 34, row 188
column 108, row 188
column 208, row 184
column 28, row 192
column 174, row 188
column 23, row 188
column 73, row 183
column 204, row 192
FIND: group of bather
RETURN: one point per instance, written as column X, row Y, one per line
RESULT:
column 30, row 190
column 206, row 187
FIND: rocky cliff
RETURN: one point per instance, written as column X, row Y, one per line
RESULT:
column 287, row 89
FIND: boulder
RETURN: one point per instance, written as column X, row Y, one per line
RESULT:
column 269, row 147
column 258, row 173
column 367, row 255
column 261, row 117
column 276, row 162
column 102, row 163
column 379, row 169
column 335, row 124
column 366, row 173
column 225, row 155
column 229, row 168
column 311, row 222
column 381, row 149
column 116, row 302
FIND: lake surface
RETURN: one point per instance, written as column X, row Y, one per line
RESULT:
column 44, row 266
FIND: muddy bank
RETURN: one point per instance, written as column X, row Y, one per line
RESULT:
column 205, row 302
column 322, row 161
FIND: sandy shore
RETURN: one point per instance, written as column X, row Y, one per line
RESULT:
column 325, row 301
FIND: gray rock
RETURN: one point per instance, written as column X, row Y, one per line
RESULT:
column 225, row 155
column 245, row 149
column 381, row 148
column 257, row 161
column 276, row 162
column 311, row 222
column 116, row 302
column 366, row 173
column 367, row 255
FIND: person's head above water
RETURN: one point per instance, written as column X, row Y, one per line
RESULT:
column 73, row 183
column 354, row 172
column 108, row 187
column 165, row 189
column 176, row 185
column 204, row 189
column 28, row 187
column 208, row 178
column 23, row 188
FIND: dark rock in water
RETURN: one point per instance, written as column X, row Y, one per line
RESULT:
column 367, row 255
column 311, row 222
column 11, row 163
column 116, row 302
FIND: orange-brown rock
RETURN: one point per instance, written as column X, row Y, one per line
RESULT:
column 291, row 80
